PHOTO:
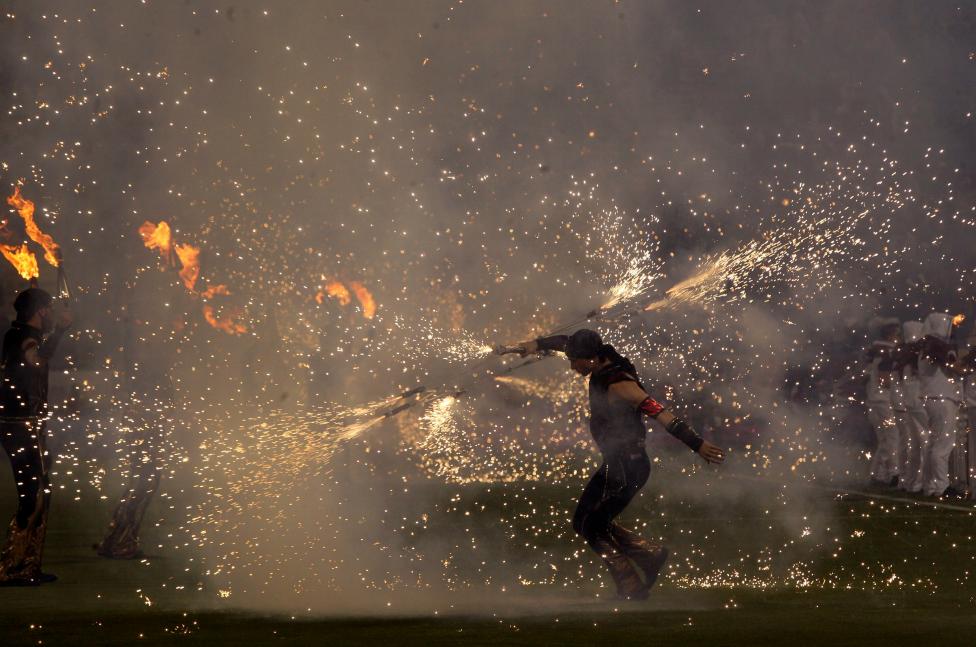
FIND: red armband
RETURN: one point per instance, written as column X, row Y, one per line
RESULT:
column 651, row 407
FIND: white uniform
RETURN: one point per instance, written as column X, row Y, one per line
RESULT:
column 942, row 397
column 969, row 401
column 885, row 463
column 910, row 416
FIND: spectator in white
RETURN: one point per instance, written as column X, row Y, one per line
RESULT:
column 885, row 463
column 969, row 401
column 940, row 388
column 910, row 408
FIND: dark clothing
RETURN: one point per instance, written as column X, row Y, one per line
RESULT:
column 556, row 342
column 23, row 405
column 938, row 351
column 617, row 427
column 614, row 423
column 618, row 424
column 609, row 491
column 24, row 441
column 24, row 386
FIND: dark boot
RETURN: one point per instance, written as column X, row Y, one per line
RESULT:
column 648, row 557
column 629, row 584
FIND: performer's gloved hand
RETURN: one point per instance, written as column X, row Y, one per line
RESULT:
column 683, row 432
column 522, row 348
column 501, row 349
column 711, row 453
column 65, row 319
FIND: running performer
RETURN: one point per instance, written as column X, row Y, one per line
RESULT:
column 618, row 403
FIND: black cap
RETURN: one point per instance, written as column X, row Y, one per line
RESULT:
column 30, row 301
column 584, row 344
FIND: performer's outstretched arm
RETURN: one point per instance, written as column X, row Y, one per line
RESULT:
column 632, row 393
column 542, row 344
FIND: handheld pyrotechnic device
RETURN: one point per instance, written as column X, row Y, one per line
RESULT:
column 501, row 349
column 64, row 290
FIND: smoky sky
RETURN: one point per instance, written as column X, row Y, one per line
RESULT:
column 442, row 147
column 502, row 95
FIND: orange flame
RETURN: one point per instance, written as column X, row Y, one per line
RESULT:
column 190, row 260
column 958, row 319
column 365, row 299
column 228, row 323
column 336, row 290
column 22, row 259
column 214, row 290
column 26, row 210
column 157, row 237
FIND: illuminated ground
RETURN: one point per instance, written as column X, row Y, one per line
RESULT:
column 98, row 602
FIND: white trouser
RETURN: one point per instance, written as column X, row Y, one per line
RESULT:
column 972, row 452
column 884, row 462
column 915, row 427
column 942, row 438
column 958, row 468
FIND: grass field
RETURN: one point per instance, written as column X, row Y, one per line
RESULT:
column 888, row 573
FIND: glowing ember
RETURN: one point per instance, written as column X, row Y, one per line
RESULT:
column 22, row 259
column 26, row 210
column 958, row 319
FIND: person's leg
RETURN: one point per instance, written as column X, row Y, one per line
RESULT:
column 122, row 539
column 919, row 418
column 597, row 506
column 942, row 419
column 971, row 453
column 876, row 418
column 20, row 557
column 881, row 416
column 894, row 446
column 648, row 557
column 906, row 437
column 958, row 459
column 39, row 522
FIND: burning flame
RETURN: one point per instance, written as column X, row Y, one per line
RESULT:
column 214, row 290
column 365, row 299
column 336, row 290
column 26, row 210
column 228, row 323
column 160, row 237
column 157, row 237
column 190, row 260
column 22, row 259
column 958, row 319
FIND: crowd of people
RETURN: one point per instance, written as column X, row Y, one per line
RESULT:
column 921, row 402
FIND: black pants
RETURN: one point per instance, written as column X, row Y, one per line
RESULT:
column 24, row 442
column 618, row 480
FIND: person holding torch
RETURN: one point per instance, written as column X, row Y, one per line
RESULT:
column 28, row 347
